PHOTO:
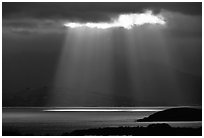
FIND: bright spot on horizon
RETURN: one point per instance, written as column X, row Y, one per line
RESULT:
column 101, row 110
column 126, row 21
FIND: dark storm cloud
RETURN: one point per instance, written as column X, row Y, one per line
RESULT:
column 182, row 26
column 32, row 26
column 26, row 18
column 91, row 11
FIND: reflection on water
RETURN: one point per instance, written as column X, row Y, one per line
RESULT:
column 36, row 119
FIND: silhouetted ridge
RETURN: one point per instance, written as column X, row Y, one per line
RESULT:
column 150, row 130
column 175, row 114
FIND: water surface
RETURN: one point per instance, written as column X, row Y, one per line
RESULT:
column 56, row 121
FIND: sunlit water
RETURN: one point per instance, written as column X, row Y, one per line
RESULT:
column 52, row 121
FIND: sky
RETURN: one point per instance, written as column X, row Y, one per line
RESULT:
column 47, row 63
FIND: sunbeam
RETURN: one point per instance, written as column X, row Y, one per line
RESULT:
column 109, row 67
column 80, row 68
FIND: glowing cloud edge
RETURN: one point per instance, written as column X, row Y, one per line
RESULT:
column 126, row 21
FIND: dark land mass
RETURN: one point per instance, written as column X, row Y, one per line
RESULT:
column 175, row 114
column 151, row 130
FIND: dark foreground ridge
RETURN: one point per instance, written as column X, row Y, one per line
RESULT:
column 151, row 130
column 175, row 114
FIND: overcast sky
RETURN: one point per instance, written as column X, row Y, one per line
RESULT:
column 48, row 64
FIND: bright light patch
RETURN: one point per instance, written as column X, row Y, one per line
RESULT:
column 101, row 110
column 126, row 21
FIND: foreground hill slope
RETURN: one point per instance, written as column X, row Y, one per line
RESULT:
column 175, row 114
